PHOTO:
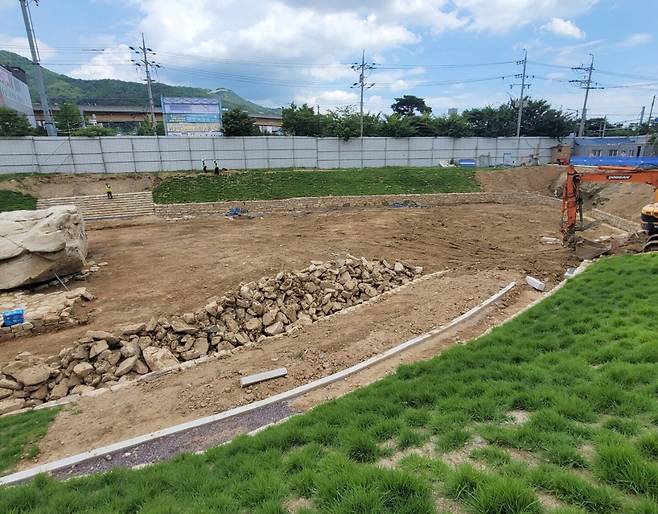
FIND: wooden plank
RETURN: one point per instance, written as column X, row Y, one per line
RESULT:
column 262, row 377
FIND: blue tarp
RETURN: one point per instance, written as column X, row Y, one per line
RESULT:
column 635, row 162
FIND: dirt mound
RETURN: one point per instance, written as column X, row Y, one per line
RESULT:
column 534, row 179
column 625, row 200
column 54, row 186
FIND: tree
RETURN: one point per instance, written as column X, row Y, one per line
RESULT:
column 94, row 131
column 146, row 129
column 452, row 126
column 14, row 124
column 301, row 121
column 540, row 119
column 409, row 105
column 238, row 123
column 68, row 118
column 399, row 126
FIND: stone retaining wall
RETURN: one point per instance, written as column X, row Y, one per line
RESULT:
column 184, row 210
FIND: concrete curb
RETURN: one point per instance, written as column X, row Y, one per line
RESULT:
column 153, row 375
column 22, row 476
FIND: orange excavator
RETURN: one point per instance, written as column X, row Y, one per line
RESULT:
column 572, row 201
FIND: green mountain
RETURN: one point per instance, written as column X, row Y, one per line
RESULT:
column 61, row 88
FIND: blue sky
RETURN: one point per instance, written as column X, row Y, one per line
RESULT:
column 277, row 51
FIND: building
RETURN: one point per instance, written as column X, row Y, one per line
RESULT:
column 629, row 146
column 14, row 92
column 124, row 118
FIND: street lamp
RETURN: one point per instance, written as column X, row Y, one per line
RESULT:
column 219, row 92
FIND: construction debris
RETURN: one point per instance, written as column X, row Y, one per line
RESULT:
column 280, row 304
column 262, row 377
column 535, row 283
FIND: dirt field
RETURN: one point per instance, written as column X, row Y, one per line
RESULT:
column 162, row 268
column 534, row 179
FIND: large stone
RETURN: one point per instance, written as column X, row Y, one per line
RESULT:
column 275, row 328
column 60, row 390
column 253, row 325
column 182, row 327
column 11, row 405
column 159, row 358
column 131, row 349
column 133, row 328
column 5, row 393
column 97, row 348
column 270, row 317
column 83, row 369
column 99, row 335
column 37, row 245
column 26, row 373
column 9, row 384
column 126, row 366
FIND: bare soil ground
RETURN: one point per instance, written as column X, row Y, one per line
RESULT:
column 533, row 179
column 163, row 268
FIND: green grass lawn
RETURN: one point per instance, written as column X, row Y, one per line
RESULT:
column 275, row 184
column 14, row 201
column 20, row 434
column 581, row 366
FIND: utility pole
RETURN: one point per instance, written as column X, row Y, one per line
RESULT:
column 653, row 100
column 605, row 124
column 34, row 50
column 363, row 67
column 143, row 53
column 587, row 86
column 521, row 96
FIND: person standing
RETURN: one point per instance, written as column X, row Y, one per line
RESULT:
column 108, row 190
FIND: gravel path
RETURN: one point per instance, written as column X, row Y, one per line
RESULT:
column 192, row 440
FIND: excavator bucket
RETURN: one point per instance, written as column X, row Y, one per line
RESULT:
column 586, row 249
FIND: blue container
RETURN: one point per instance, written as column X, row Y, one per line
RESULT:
column 467, row 163
column 15, row 317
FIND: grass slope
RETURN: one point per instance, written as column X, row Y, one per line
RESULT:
column 20, row 434
column 582, row 365
column 15, row 201
column 271, row 184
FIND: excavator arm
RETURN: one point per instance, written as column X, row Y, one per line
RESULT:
column 572, row 203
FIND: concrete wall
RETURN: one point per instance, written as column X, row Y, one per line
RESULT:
column 152, row 154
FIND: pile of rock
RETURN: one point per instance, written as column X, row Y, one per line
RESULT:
column 45, row 312
column 271, row 306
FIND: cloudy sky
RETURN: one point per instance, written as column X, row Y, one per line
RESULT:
column 454, row 53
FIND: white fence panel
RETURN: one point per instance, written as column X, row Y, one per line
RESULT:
column 125, row 154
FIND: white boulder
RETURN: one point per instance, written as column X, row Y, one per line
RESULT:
column 36, row 245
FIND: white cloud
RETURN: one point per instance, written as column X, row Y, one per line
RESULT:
column 20, row 46
column 563, row 28
column 113, row 62
column 330, row 99
column 637, row 39
column 505, row 15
